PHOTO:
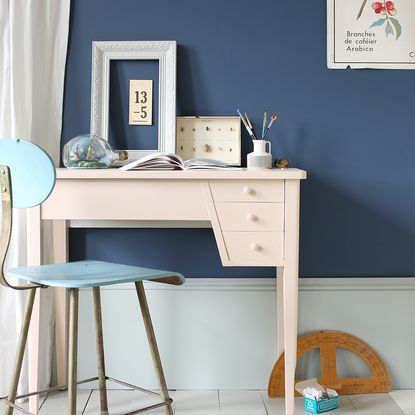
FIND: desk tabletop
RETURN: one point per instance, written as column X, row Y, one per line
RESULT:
column 243, row 173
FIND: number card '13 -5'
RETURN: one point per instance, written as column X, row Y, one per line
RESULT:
column 141, row 102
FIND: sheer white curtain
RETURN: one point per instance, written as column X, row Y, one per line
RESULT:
column 33, row 46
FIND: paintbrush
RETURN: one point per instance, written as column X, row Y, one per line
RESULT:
column 264, row 123
column 273, row 118
column 248, row 121
column 250, row 125
column 248, row 128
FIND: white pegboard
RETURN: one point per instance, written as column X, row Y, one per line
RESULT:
column 211, row 137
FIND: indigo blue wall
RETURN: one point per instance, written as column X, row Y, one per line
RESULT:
column 352, row 130
column 121, row 135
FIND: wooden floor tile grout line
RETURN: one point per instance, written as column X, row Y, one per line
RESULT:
column 263, row 402
column 397, row 406
column 351, row 403
column 405, row 399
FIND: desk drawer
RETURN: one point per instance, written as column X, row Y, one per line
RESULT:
column 84, row 199
column 247, row 190
column 254, row 247
column 265, row 217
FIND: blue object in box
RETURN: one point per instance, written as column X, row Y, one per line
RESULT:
column 318, row 407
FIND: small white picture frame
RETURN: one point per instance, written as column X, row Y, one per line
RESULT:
column 163, row 51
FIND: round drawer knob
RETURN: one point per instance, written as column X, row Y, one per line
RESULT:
column 248, row 190
column 255, row 247
column 251, row 217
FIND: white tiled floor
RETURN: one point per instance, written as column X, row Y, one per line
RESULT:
column 225, row 402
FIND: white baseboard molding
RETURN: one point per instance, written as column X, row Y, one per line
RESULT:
column 267, row 284
column 220, row 333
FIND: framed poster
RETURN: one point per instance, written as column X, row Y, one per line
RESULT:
column 370, row 34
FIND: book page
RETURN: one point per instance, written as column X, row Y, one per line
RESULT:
column 206, row 163
column 156, row 160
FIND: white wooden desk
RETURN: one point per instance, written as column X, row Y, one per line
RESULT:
column 254, row 216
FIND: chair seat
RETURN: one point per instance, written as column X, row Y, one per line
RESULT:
column 83, row 274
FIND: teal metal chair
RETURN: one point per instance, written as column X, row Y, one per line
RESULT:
column 27, row 177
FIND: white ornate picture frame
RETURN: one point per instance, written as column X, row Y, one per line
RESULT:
column 163, row 51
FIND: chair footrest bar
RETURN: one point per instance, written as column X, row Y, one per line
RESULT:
column 17, row 408
column 53, row 388
column 62, row 387
column 128, row 385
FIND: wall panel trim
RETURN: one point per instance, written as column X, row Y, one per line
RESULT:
column 268, row 284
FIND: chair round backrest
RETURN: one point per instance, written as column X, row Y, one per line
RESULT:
column 32, row 172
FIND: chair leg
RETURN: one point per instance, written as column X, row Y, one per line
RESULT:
column 20, row 350
column 153, row 345
column 100, row 351
column 73, row 349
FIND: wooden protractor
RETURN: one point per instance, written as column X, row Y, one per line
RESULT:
column 328, row 341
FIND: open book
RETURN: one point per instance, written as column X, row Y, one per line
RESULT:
column 169, row 161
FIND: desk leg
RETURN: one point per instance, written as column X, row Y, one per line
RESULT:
column 60, row 254
column 290, row 288
column 290, row 331
column 280, row 311
column 34, row 252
